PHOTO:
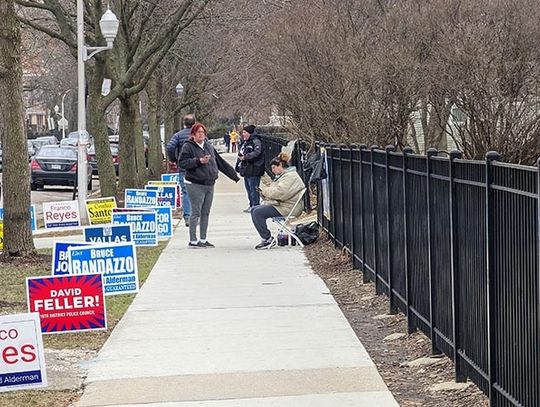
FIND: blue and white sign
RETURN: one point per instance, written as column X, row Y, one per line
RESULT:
column 108, row 234
column 23, row 353
column 116, row 261
column 138, row 198
column 164, row 222
column 143, row 226
column 170, row 177
column 60, row 259
column 33, row 217
column 166, row 195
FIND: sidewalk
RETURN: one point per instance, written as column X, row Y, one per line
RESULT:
column 233, row 326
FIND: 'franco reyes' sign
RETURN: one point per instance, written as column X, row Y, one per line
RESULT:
column 61, row 214
column 22, row 360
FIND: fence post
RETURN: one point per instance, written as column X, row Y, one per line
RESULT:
column 374, row 217
column 429, row 154
column 458, row 362
column 351, row 203
column 392, row 306
column 410, row 325
column 342, row 210
column 365, row 278
column 490, row 277
column 331, row 191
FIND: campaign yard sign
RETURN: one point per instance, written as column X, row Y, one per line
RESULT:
column 117, row 262
column 164, row 222
column 60, row 259
column 22, row 364
column 166, row 195
column 143, row 225
column 108, row 234
column 138, row 198
column 171, row 177
column 72, row 303
column 33, row 217
column 100, row 210
column 61, row 214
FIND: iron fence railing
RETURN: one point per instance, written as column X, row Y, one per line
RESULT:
column 454, row 244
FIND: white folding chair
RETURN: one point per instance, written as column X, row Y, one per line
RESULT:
column 284, row 225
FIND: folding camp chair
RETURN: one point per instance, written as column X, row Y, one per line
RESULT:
column 284, row 225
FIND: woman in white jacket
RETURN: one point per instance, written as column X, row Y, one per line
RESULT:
column 279, row 197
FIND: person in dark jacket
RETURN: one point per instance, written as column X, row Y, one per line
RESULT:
column 173, row 153
column 250, row 165
column 202, row 165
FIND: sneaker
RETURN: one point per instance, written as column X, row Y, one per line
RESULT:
column 197, row 245
column 186, row 220
column 264, row 244
column 207, row 244
column 247, row 210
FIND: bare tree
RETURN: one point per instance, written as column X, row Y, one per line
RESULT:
column 17, row 230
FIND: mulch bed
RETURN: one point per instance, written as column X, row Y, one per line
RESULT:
column 359, row 303
column 32, row 260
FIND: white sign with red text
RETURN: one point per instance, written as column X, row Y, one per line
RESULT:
column 61, row 214
column 22, row 360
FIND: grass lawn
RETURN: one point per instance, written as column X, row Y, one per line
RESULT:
column 13, row 300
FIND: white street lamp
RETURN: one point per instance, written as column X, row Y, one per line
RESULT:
column 109, row 29
column 179, row 88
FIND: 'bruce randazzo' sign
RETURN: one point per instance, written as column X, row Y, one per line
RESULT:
column 61, row 214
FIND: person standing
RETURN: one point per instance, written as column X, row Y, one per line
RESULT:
column 233, row 139
column 250, row 165
column 202, row 164
column 174, row 147
column 227, row 140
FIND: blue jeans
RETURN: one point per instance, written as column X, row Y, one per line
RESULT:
column 251, row 184
column 186, row 204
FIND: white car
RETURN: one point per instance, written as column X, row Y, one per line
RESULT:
column 219, row 145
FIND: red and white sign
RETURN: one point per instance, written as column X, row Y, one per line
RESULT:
column 68, row 303
column 61, row 214
column 22, row 360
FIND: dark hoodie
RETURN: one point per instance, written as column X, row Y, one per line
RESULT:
column 253, row 163
column 203, row 174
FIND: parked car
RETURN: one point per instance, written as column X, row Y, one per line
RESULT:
column 219, row 145
column 92, row 158
column 46, row 140
column 31, row 149
column 69, row 142
column 55, row 165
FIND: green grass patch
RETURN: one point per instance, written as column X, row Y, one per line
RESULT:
column 13, row 275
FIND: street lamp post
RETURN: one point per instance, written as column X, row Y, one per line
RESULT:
column 64, row 123
column 109, row 29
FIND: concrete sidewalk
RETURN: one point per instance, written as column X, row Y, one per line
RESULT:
column 233, row 326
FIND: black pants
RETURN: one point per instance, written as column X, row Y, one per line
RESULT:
column 259, row 215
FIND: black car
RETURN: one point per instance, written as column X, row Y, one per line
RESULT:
column 55, row 165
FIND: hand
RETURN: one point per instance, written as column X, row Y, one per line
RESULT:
column 205, row 159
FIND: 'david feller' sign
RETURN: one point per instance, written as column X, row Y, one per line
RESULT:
column 61, row 214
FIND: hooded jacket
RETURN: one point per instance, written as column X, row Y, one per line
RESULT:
column 284, row 191
column 203, row 174
column 253, row 163
column 174, row 147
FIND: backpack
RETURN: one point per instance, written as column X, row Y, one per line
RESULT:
column 307, row 233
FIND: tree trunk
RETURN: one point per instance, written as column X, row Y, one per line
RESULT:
column 155, row 156
column 16, row 178
column 98, row 129
column 132, row 167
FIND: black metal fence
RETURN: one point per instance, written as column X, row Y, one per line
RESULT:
column 454, row 245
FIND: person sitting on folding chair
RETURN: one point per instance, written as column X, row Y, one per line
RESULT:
column 280, row 197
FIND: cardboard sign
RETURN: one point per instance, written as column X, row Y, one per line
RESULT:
column 61, row 214
column 100, row 210
column 163, row 183
column 143, row 225
column 170, row 178
column 117, row 263
column 68, row 303
column 33, row 217
column 164, row 222
column 22, row 364
column 138, row 198
column 60, row 257
column 108, row 234
column 166, row 195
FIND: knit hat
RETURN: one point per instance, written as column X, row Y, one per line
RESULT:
column 250, row 129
